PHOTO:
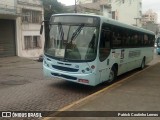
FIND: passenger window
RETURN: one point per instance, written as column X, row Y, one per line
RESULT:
column 104, row 48
column 146, row 41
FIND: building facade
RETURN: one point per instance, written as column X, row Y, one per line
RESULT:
column 20, row 22
column 126, row 11
column 92, row 7
column 86, row 1
column 149, row 16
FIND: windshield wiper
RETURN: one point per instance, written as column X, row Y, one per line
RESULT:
column 60, row 28
column 76, row 33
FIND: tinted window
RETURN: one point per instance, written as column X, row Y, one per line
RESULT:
column 104, row 48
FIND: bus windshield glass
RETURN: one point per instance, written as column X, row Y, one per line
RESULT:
column 72, row 40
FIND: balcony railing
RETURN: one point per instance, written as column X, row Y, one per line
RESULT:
column 30, row 2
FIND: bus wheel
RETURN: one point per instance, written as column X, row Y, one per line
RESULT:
column 142, row 64
column 112, row 75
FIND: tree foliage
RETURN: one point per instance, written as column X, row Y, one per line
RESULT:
column 52, row 7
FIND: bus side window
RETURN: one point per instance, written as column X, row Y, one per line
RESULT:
column 104, row 47
column 145, row 42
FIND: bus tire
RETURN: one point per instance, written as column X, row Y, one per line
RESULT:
column 142, row 64
column 112, row 75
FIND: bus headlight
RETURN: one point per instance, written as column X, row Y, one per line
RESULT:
column 46, row 64
column 86, row 70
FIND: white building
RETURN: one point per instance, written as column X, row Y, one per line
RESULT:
column 99, row 8
column 126, row 11
column 149, row 16
column 20, row 22
column 86, row 1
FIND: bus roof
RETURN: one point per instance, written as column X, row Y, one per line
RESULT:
column 110, row 21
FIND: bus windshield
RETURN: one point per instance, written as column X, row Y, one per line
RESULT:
column 72, row 41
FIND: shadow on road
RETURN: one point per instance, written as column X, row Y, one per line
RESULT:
column 84, row 89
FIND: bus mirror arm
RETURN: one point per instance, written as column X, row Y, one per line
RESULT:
column 41, row 29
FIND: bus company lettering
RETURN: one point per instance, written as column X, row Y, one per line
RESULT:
column 133, row 54
column 116, row 55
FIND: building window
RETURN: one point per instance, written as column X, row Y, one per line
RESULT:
column 27, row 42
column 94, row 1
column 32, row 42
column 113, row 14
column 31, row 16
column 36, row 42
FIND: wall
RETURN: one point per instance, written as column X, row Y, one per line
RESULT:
column 85, row 1
column 29, row 29
column 128, row 11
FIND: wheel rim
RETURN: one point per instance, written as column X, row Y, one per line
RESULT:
column 111, row 76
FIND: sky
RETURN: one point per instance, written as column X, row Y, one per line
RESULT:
column 146, row 4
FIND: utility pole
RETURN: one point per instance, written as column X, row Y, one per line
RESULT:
column 75, row 6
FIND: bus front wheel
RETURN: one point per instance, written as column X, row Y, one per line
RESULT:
column 112, row 75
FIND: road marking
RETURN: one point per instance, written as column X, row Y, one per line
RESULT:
column 113, row 86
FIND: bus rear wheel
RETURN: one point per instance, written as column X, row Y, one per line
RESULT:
column 142, row 64
column 112, row 75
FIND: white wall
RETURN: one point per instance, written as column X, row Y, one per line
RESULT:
column 128, row 11
column 29, row 29
column 85, row 1
column 7, row 2
column 105, row 12
column 8, row 6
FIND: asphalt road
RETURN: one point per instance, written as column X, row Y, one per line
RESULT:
column 23, row 87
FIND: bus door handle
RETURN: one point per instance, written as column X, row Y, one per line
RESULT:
column 107, row 61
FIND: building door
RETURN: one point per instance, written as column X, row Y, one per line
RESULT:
column 7, row 38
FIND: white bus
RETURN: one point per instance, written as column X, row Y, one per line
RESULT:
column 90, row 49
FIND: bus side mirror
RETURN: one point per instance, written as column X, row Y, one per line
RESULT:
column 41, row 30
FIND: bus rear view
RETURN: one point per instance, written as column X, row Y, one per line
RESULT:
column 71, row 51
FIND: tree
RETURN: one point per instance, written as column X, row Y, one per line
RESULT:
column 51, row 7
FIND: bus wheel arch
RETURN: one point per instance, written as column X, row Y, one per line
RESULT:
column 113, row 73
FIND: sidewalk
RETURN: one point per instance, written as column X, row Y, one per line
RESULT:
column 139, row 92
column 15, row 60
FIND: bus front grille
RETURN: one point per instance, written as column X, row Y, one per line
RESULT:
column 65, row 68
column 64, row 76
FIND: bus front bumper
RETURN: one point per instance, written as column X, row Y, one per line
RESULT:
column 87, row 79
